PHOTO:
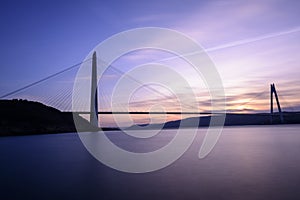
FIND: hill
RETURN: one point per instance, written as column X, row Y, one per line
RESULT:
column 22, row 117
column 230, row 120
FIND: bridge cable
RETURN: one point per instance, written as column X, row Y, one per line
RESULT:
column 42, row 80
column 137, row 81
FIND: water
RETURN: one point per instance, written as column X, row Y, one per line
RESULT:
column 254, row 162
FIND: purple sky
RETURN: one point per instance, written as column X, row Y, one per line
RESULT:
column 252, row 43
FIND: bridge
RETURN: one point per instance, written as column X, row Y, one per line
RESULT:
column 62, row 101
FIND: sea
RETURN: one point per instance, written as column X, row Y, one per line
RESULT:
column 248, row 162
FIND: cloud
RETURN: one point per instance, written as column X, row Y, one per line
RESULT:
column 254, row 39
column 253, row 44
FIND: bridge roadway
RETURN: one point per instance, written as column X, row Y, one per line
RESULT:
column 147, row 113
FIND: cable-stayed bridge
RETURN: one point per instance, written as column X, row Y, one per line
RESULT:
column 56, row 90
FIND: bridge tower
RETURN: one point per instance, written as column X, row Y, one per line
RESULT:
column 273, row 91
column 94, row 93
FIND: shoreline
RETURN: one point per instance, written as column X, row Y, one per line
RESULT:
column 22, row 117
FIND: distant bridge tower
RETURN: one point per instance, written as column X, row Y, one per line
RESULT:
column 94, row 93
column 273, row 91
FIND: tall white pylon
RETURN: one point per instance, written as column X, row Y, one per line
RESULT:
column 94, row 93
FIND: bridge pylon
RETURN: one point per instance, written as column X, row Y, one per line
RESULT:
column 273, row 91
column 94, row 93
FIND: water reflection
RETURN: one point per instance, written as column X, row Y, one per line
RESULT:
column 247, row 163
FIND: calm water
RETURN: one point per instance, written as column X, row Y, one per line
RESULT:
column 254, row 162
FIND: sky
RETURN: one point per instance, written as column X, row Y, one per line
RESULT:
column 252, row 43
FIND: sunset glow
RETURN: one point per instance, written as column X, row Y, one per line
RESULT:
column 252, row 43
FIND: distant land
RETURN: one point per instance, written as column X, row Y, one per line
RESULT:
column 22, row 117
column 232, row 119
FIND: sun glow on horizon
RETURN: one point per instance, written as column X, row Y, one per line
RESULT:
column 252, row 44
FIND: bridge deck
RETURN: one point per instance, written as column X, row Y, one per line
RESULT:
column 147, row 113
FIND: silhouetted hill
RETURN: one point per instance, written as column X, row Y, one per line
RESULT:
column 241, row 119
column 22, row 117
column 231, row 120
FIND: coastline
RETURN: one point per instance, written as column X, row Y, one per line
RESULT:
column 22, row 117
